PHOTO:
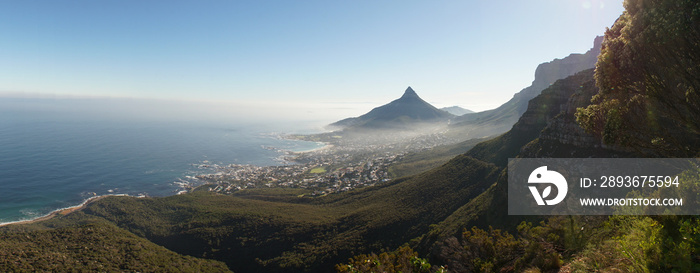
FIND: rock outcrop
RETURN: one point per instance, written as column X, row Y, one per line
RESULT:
column 501, row 119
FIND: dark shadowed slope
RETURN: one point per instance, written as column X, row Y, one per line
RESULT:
column 300, row 234
column 78, row 243
column 253, row 232
column 263, row 230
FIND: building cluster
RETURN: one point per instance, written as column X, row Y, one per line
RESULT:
column 322, row 176
column 345, row 164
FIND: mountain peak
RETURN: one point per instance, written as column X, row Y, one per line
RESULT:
column 404, row 112
column 409, row 93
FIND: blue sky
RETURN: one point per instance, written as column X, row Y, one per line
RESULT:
column 475, row 54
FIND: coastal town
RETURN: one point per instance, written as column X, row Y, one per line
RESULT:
column 321, row 176
column 337, row 167
column 360, row 154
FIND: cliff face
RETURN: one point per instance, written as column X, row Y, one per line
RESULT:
column 548, row 128
column 501, row 119
column 550, row 114
column 548, row 73
column 563, row 136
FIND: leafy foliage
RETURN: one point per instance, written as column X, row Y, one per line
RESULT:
column 404, row 259
column 644, row 244
column 274, row 231
column 649, row 80
column 92, row 246
column 589, row 244
column 538, row 249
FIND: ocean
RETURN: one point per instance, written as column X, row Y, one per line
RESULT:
column 57, row 153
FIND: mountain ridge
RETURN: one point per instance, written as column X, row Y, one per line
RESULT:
column 403, row 113
column 253, row 232
column 502, row 118
column 456, row 110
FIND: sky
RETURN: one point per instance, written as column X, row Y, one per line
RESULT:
column 350, row 55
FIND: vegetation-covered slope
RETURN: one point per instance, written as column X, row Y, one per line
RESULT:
column 257, row 232
column 649, row 78
column 541, row 110
column 249, row 232
column 78, row 243
column 448, row 209
column 630, row 116
column 418, row 162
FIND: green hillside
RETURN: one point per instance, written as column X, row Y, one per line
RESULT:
column 465, row 241
column 452, row 217
column 418, row 162
column 541, row 110
column 81, row 243
column 303, row 234
column 257, row 232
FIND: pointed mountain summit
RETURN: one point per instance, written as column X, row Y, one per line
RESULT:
column 409, row 93
column 403, row 112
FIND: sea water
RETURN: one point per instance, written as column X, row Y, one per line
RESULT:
column 54, row 154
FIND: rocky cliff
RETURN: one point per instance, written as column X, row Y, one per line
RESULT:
column 501, row 119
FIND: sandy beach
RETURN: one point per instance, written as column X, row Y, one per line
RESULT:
column 62, row 212
column 322, row 148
